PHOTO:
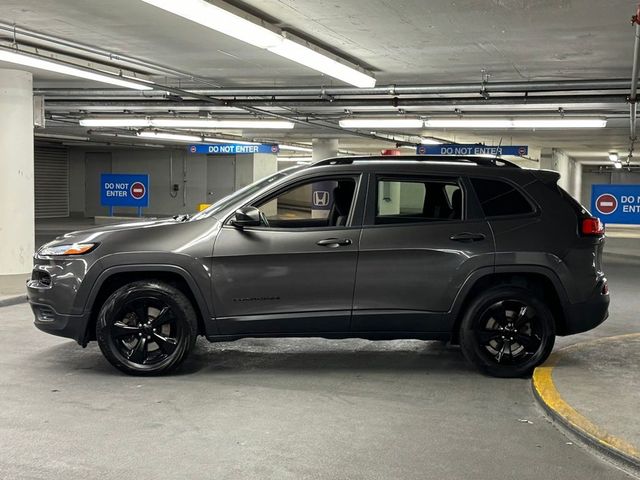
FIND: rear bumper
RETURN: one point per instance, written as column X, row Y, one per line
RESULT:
column 584, row 316
column 69, row 326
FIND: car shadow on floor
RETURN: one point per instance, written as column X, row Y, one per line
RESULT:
column 291, row 354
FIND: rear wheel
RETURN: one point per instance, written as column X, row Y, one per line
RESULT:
column 507, row 331
column 146, row 328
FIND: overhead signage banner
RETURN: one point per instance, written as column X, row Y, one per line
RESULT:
column 124, row 190
column 476, row 149
column 232, row 148
column 616, row 203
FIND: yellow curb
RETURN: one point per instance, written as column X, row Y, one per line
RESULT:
column 545, row 389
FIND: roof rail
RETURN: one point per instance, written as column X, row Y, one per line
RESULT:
column 470, row 159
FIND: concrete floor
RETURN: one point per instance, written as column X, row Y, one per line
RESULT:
column 280, row 409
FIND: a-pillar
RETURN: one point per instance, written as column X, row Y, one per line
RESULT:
column 324, row 148
column 16, row 180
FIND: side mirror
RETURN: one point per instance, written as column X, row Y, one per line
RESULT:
column 247, row 217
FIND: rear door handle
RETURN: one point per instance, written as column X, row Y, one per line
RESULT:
column 468, row 237
column 334, row 242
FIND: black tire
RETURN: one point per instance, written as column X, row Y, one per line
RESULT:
column 146, row 328
column 511, row 343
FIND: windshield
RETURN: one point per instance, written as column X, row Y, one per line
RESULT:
column 247, row 191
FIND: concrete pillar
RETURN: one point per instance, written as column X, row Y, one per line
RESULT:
column 324, row 148
column 576, row 190
column 17, row 228
column 555, row 159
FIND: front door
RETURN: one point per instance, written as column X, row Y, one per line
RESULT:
column 419, row 244
column 295, row 272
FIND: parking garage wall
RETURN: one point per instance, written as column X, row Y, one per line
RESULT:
column 189, row 173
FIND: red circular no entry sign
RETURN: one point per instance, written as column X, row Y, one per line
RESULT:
column 137, row 190
column 606, row 203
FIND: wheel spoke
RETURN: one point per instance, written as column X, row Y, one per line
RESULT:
column 485, row 336
column 166, row 344
column 139, row 352
column 499, row 314
column 529, row 343
column 522, row 317
column 163, row 317
column 121, row 329
column 502, row 351
column 142, row 313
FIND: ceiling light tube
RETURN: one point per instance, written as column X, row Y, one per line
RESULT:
column 224, row 140
column 613, row 156
column 170, row 136
column 229, row 20
column 184, row 123
column 553, row 123
column 617, row 165
column 295, row 148
column 211, row 123
column 65, row 68
column 381, row 123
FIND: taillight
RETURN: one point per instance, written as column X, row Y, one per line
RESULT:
column 592, row 226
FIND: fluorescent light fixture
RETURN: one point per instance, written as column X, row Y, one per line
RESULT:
column 232, row 21
column 211, row 123
column 322, row 63
column 224, row 140
column 170, row 136
column 559, row 123
column 295, row 148
column 617, row 165
column 613, row 156
column 115, row 122
column 184, row 123
column 30, row 60
column 381, row 123
column 430, row 141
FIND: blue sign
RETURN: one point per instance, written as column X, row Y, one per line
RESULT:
column 124, row 190
column 477, row 149
column 232, row 148
column 616, row 203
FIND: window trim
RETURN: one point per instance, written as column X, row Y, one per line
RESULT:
column 371, row 213
column 353, row 222
column 535, row 208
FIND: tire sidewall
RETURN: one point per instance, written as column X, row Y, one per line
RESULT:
column 473, row 351
column 170, row 296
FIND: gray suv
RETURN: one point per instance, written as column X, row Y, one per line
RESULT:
column 475, row 251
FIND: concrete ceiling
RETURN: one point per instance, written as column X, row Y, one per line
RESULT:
column 403, row 41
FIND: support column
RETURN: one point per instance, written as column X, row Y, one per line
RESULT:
column 324, row 148
column 17, row 227
column 577, row 181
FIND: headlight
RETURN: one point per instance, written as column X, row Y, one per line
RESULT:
column 71, row 249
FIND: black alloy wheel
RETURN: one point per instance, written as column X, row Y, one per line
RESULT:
column 507, row 331
column 146, row 328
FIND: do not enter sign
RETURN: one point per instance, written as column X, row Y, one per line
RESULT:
column 606, row 204
column 138, row 190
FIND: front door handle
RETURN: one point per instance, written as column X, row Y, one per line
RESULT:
column 334, row 242
column 468, row 237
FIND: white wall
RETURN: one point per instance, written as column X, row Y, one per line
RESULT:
column 555, row 159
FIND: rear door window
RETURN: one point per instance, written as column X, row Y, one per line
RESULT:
column 417, row 200
column 499, row 198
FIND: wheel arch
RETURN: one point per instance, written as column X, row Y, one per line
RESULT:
column 542, row 280
column 114, row 277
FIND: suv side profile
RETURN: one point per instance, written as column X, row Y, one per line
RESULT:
column 475, row 251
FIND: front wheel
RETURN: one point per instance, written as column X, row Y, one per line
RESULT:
column 146, row 328
column 507, row 331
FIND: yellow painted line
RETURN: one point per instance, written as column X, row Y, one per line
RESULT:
column 547, row 392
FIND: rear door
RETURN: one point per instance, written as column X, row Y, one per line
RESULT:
column 422, row 237
column 296, row 272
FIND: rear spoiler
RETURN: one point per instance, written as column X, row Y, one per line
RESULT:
column 548, row 177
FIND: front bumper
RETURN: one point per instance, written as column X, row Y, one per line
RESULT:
column 584, row 316
column 69, row 326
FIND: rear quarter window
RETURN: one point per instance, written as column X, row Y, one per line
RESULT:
column 500, row 199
